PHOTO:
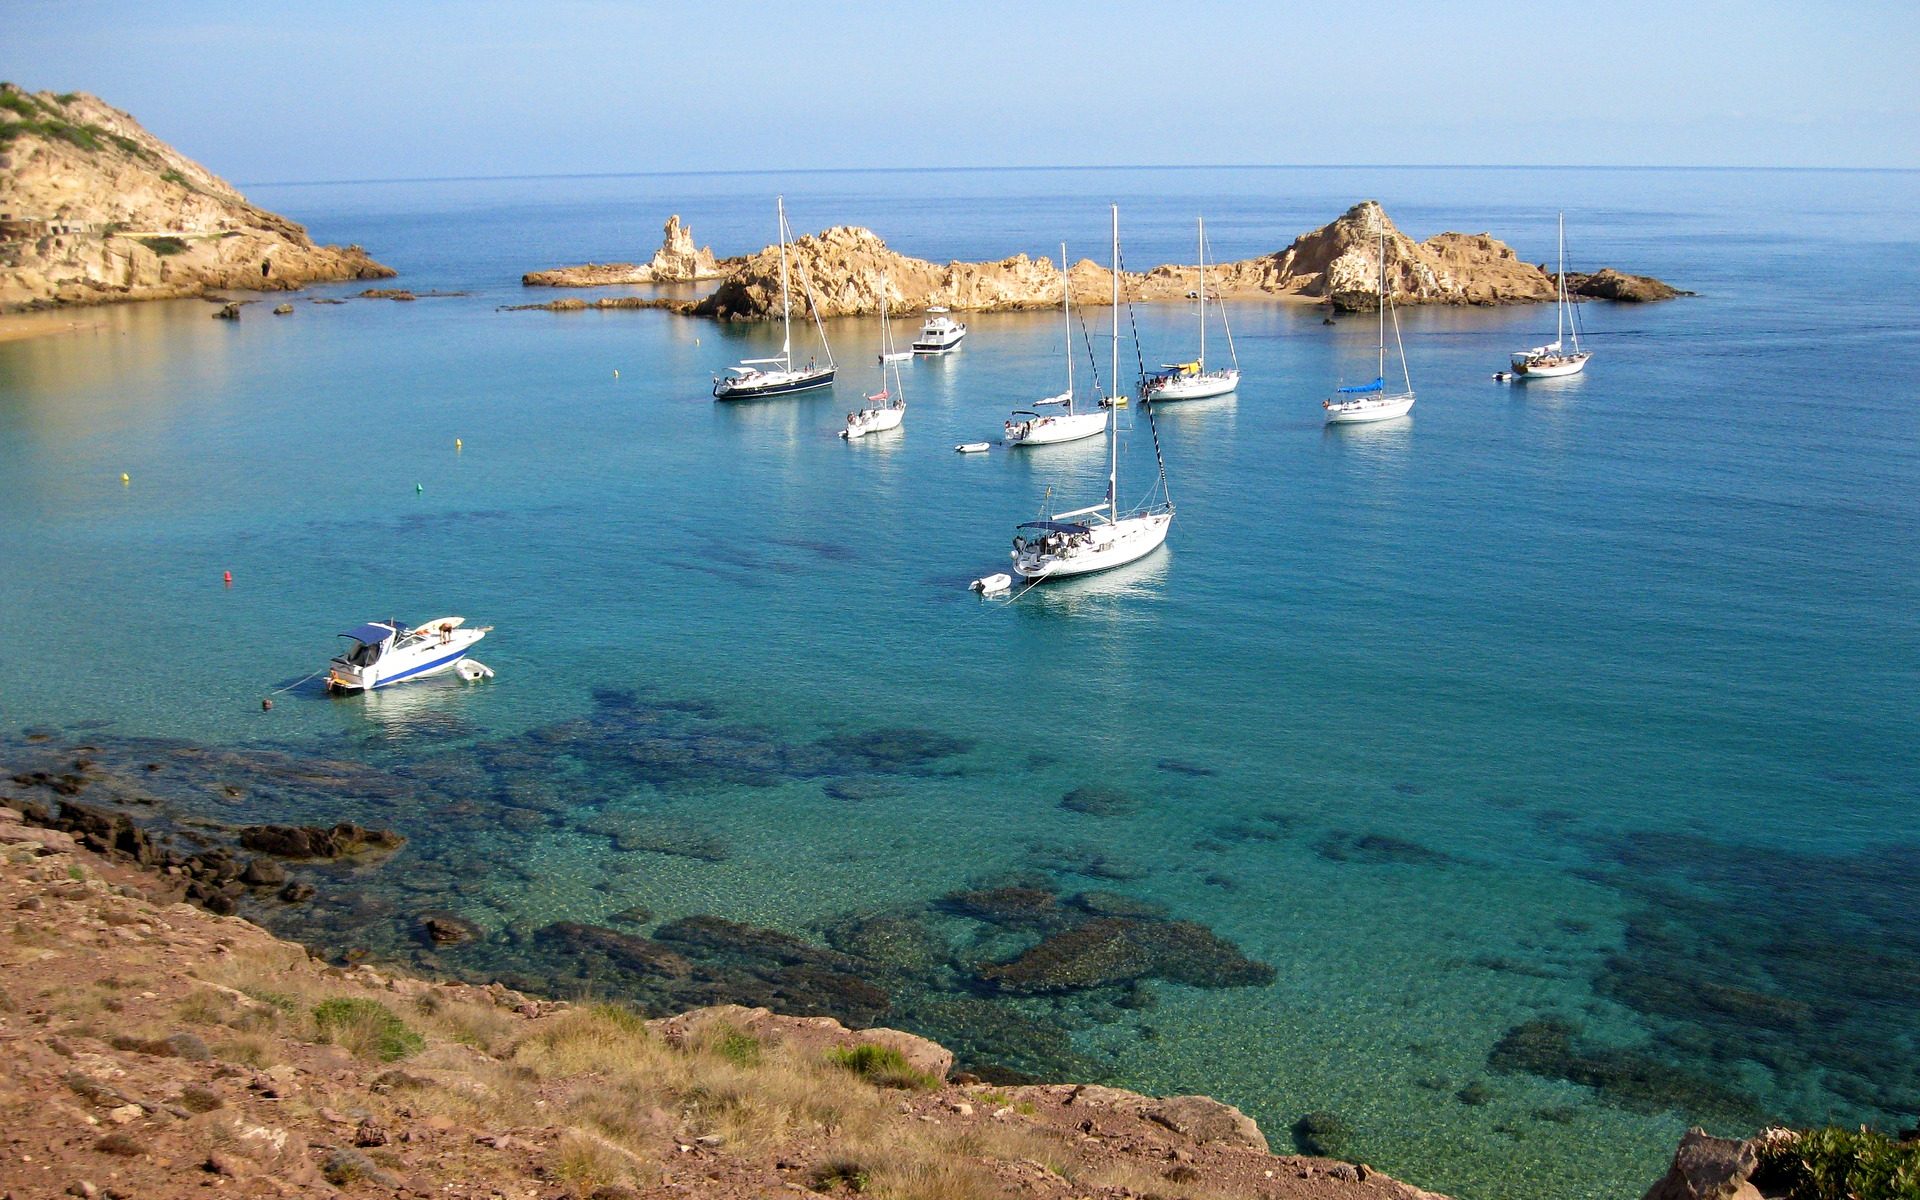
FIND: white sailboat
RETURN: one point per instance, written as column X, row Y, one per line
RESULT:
column 1097, row 537
column 1032, row 427
column 755, row 378
column 1371, row 401
column 1192, row 380
column 886, row 408
column 1555, row 358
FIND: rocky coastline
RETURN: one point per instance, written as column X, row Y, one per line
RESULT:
column 157, row 1047
column 843, row 271
column 94, row 210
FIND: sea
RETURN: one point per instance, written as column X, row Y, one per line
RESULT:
column 1486, row 796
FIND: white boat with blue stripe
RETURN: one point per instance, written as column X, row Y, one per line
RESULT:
column 389, row 652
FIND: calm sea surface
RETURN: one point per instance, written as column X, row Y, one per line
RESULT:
column 1557, row 747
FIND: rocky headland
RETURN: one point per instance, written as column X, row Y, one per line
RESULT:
column 843, row 271
column 95, row 209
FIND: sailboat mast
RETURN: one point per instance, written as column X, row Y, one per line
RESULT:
column 1560, row 303
column 1113, row 414
column 786, row 308
column 1382, row 373
column 1203, row 293
column 1066, row 319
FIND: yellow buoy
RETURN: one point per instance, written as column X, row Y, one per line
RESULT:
column 458, row 444
column 125, row 478
column 616, row 372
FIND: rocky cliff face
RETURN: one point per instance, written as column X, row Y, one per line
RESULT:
column 1338, row 263
column 93, row 208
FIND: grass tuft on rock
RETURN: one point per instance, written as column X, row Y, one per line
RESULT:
column 366, row 1027
column 881, row 1065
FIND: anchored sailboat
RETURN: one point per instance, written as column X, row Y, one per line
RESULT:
column 1031, row 427
column 1554, row 358
column 1192, row 380
column 758, row 377
column 1097, row 537
column 887, row 407
column 1371, row 401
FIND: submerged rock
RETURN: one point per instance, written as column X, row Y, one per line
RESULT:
column 1099, row 800
column 1113, row 950
column 312, row 841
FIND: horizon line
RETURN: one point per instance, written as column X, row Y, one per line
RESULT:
column 1078, row 167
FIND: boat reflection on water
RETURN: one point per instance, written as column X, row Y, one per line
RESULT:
column 432, row 710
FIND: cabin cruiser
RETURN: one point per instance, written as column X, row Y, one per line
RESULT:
column 940, row 334
column 385, row 652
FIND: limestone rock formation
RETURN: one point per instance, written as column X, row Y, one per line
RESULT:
column 93, row 209
column 839, row 272
column 1609, row 284
column 676, row 261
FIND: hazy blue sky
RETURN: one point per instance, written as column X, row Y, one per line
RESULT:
column 344, row 89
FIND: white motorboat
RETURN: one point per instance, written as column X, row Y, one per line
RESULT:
column 1192, row 380
column 389, row 652
column 1372, row 401
column 886, row 408
column 1556, row 358
column 756, row 378
column 1031, row 426
column 1097, row 537
column 940, row 334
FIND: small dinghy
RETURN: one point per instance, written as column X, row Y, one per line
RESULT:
column 387, row 652
column 992, row 585
column 472, row 669
column 973, row 447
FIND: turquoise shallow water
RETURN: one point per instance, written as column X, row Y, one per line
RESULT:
column 1585, row 702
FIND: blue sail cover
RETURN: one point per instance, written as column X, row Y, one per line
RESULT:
column 1377, row 385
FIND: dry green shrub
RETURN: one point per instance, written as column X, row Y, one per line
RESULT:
column 366, row 1027
column 204, row 1006
column 585, row 1162
column 882, row 1065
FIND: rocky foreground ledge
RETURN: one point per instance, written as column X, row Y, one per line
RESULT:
column 847, row 268
column 95, row 209
column 156, row 1049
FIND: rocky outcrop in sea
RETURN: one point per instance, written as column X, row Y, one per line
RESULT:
column 844, row 270
column 95, row 209
column 676, row 261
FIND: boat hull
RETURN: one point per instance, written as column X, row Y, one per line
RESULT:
column 1115, row 545
column 404, row 666
column 1554, row 369
column 1362, row 412
column 1196, row 387
column 872, row 420
column 748, row 389
column 925, row 349
column 1047, row 431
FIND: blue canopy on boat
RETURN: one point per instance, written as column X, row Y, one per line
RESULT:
column 1055, row 526
column 1377, row 385
column 372, row 634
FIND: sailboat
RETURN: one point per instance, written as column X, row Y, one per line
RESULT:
column 887, row 407
column 758, row 377
column 1371, row 401
column 1031, row 427
column 1097, row 537
column 1554, row 358
column 1192, row 380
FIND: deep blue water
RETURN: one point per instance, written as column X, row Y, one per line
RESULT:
column 1589, row 700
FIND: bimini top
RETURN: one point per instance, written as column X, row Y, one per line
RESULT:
column 1055, row 526
column 373, row 633
column 1378, row 384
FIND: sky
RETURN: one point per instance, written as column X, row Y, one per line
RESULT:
column 355, row 89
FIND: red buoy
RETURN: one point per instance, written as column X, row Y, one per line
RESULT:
column 226, row 577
